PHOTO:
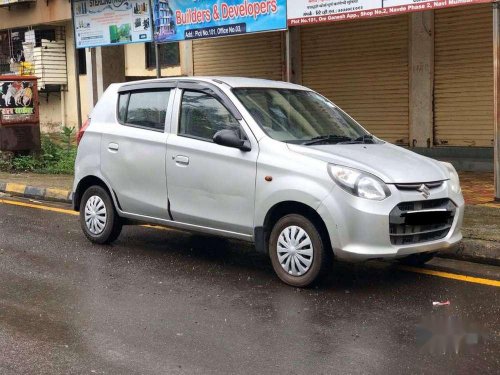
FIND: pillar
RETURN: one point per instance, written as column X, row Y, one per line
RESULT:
column 421, row 74
column 186, row 57
column 293, row 55
column 105, row 65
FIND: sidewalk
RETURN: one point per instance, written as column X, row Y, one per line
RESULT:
column 481, row 226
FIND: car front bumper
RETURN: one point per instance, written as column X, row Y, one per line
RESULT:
column 359, row 228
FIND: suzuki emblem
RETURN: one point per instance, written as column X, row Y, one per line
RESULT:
column 425, row 191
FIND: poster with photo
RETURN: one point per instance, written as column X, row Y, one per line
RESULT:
column 17, row 101
column 177, row 20
column 111, row 22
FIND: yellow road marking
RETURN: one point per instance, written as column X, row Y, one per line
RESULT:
column 64, row 211
column 454, row 276
column 447, row 275
column 39, row 207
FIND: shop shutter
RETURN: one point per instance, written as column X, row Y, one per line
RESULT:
column 362, row 66
column 254, row 55
column 463, row 84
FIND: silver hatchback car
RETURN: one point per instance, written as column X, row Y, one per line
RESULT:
column 267, row 162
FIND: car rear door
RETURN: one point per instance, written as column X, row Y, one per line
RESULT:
column 209, row 185
column 133, row 150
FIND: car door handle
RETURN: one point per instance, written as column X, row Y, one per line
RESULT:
column 181, row 160
column 113, row 147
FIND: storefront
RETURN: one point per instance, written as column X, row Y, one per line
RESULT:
column 364, row 64
column 257, row 55
column 363, row 67
column 463, row 79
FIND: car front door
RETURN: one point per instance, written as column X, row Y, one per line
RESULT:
column 133, row 150
column 208, row 184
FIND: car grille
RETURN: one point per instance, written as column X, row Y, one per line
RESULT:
column 430, row 185
column 421, row 221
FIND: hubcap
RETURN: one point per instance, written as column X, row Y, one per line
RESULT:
column 295, row 250
column 95, row 215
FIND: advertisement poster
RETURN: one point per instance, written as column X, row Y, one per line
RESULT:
column 17, row 104
column 177, row 20
column 111, row 22
column 302, row 12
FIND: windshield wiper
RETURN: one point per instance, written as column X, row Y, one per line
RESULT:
column 328, row 139
column 367, row 138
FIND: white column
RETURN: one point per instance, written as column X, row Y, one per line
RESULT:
column 92, row 95
column 186, row 57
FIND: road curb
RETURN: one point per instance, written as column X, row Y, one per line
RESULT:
column 475, row 250
column 34, row 192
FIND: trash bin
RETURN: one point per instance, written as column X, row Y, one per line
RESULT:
column 19, row 115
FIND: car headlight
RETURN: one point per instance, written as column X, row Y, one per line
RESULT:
column 358, row 183
column 454, row 179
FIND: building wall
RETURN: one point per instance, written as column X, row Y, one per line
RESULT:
column 39, row 12
column 58, row 109
column 135, row 63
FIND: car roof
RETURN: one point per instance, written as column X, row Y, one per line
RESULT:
column 228, row 81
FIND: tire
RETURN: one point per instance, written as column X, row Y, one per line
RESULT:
column 301, row 270
column 417, row 259
column 107, row 228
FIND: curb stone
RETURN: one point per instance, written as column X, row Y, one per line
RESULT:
column 48, row 194
column 475, row 250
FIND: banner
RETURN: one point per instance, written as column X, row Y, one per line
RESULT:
column 303, row 12
column 17, row 102
column 177, row 20
column 111, row 22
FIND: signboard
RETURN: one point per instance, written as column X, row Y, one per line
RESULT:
column 303, row 12
column 19, row 125
column 17, row 101
column 111, row 22
column 177, row 20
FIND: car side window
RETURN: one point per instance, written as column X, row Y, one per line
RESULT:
column 202, row 115
column 147, row 109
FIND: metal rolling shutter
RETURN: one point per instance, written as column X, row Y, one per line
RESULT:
column 255, row 55
column 363, row 67
column 463, row 84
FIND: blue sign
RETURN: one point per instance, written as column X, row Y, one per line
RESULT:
column 176, row 20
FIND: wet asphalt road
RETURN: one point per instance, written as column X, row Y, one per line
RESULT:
column 167, row 302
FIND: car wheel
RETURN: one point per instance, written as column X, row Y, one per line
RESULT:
column 297, row 251
column 98, row 217
column 417, row 259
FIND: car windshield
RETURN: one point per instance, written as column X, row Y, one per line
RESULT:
column 299, row 116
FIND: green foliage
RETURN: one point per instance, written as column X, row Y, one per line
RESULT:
column 67, row 134
column 54, row 157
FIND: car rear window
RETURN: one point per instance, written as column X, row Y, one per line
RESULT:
column 146, row 109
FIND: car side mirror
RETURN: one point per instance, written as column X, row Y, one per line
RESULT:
column 230, row 138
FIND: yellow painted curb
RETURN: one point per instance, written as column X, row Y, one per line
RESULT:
column 57, row 194
column 15, row 188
